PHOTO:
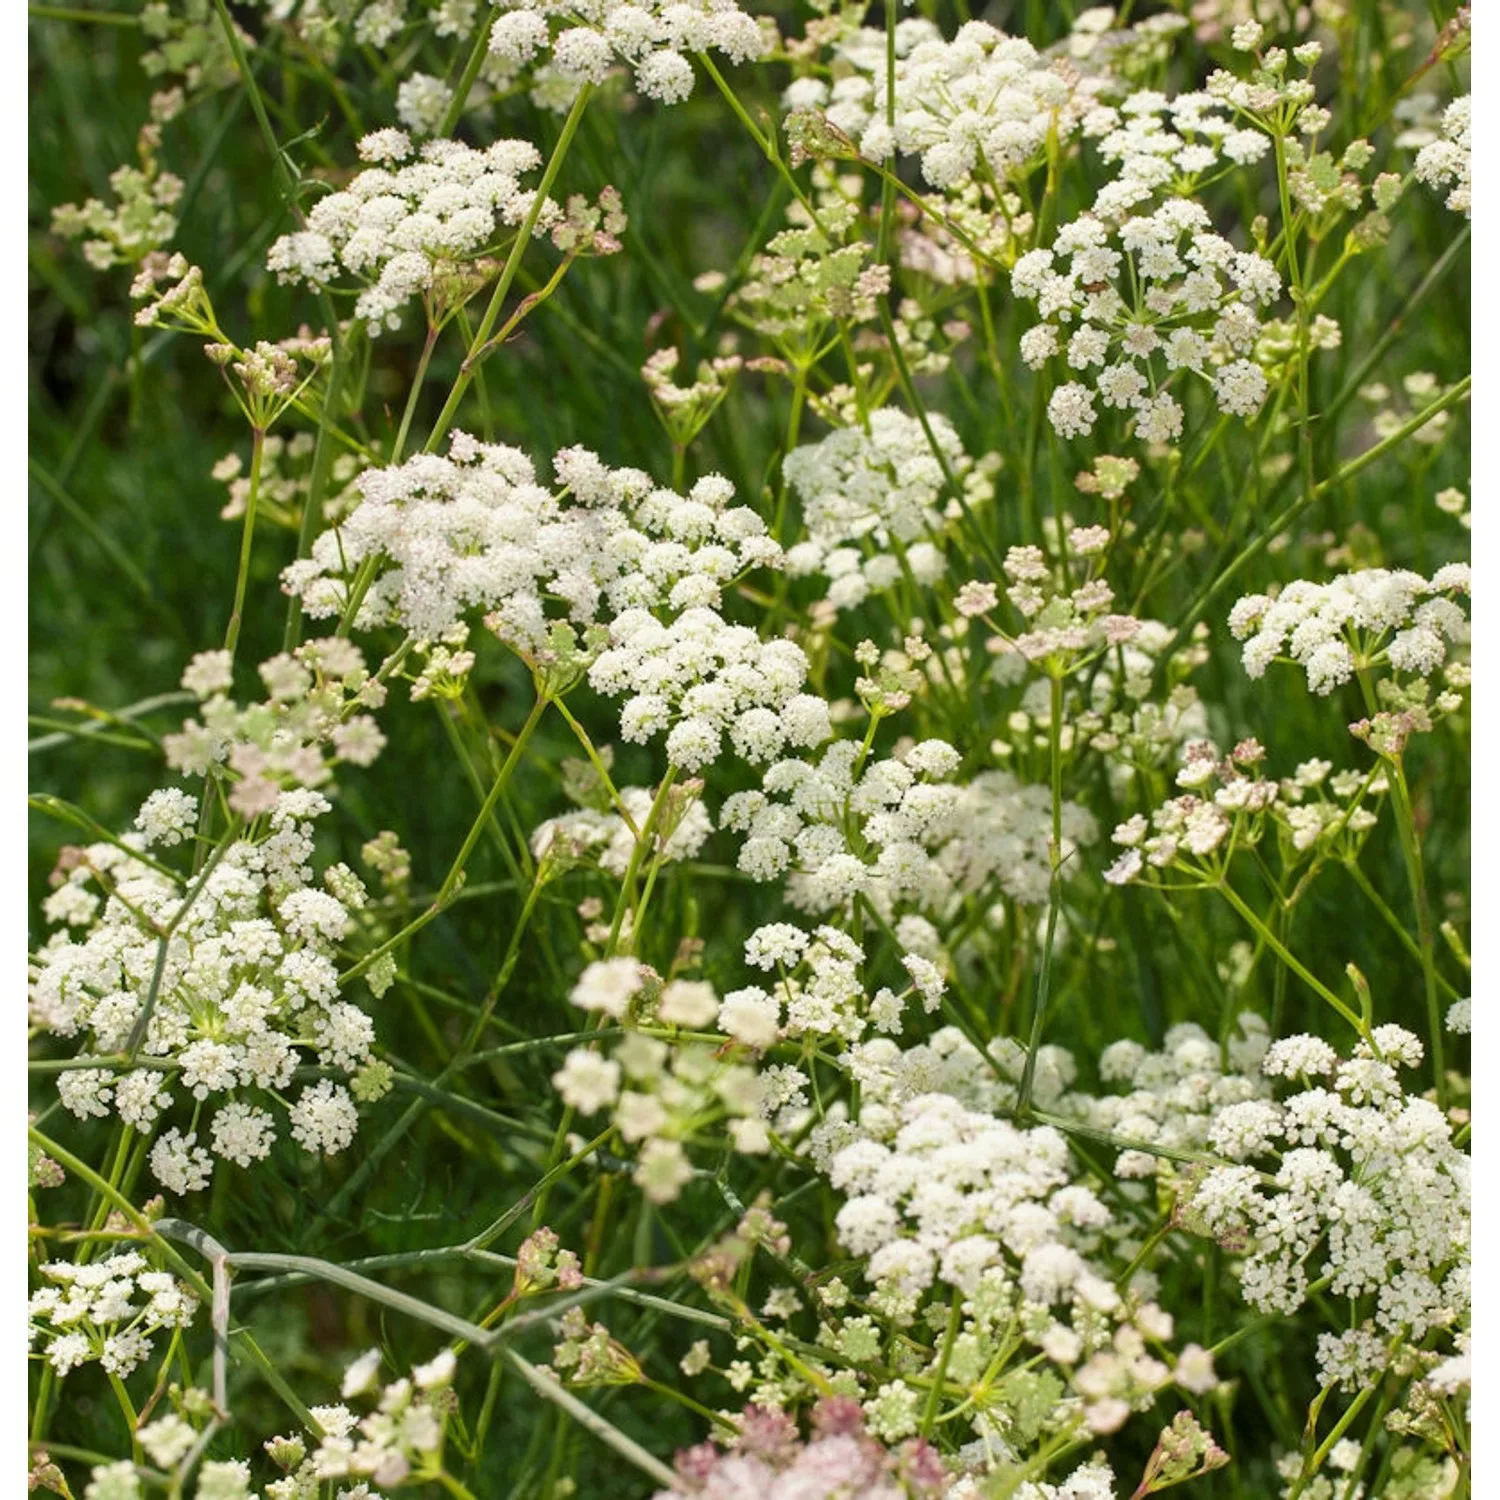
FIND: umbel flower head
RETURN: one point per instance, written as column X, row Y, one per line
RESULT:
column 871, row 502
column 1158, row 301
column 107, row 1310
column 982, row 104
column 218, row 989
column 1366, row 1189
column 438, row 539
column 1447, row 162
column 1378, row 617
column 416, row 223
column 654, row 38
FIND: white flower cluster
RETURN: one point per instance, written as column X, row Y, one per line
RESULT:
column 246, row 980
column 324, row 27
column 422, row 102
column 654, row 37
column 1314, row 809
column 404, row 1431
column 870, row 503
column 1090, row 1481
column 969, row 1184
column 216, row 1479
column 1446, row 163
column 1354, row 622
column 1272, row 91
column 700, row 678
column 1170, row 1097
column 475, row 531
column 1367, row 1189
column 1148, row 307
column 400, row 1438
column 1158, row 144
column 410, row 227
column 1002, row 836
column 603, row 835
column 939, row 1193
column 308, row 723
column 836, row 813
column 982, row 103
column 958, row 1214
column 819, row 990
column 106, row 1311
column 660, row 1094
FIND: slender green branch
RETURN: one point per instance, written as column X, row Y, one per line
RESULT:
column 508, row 270
column 1225, row 574
column 546, row 1386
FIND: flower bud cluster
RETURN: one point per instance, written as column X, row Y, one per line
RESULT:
column 309, row 722
column 1313, row 812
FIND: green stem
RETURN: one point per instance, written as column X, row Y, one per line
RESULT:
column 1411, row 855
column 766, row 143
column 1316, row 1459
column 1225, row 573
column 247, row 541
column 909, row 390
column 122, row 1396
column 1299, row 296
column 472, row 64
column 74, row 13
column 285, row 184
column 502, row 780
column 1254, row 1325
column 414, row 394
column 334, row 1275
column 452, row 881
column 548, row 1388
column 626, row 898
column 1287, row 957
column 1054, row 902
column 1397, row 926
column 39, row 1412
column 934, row 1396
column 460, row 1059
column 1378, row 350
column 508, row 271
column 707, row 1413
column 887, row 181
